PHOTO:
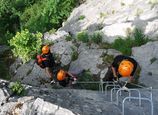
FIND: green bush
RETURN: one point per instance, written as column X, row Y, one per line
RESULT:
column 68, row 38
column 96, row 38
column 83, row 36
column 108, row 58
column 10, row 10
column 35, row 15
column 125, row 45
column 17, row 88
column 81, row 17
column 139, row 37
column 74, row 55
column 46, row 14
column 26, row 44
column 4, row 39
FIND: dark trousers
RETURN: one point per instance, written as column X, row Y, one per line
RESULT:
column 109, row 75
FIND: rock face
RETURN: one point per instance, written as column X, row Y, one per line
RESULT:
column 114, row 18
column 43, row 101
column 147, row 56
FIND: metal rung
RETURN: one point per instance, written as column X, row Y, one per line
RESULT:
column 136, row 98
column 129, row 93
column 113, row 89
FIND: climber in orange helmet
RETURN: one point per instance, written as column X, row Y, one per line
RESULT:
column 66, row 78
column 123, row 67
column 46, row 61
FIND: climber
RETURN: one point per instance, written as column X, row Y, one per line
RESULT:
column 46, row 61
column 123, row 67
column 66, row 78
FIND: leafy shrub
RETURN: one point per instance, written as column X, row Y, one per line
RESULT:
column 139, row 37
column 68, row 38
column 10, row 10
column 52, row 31
column 74, row 55
column 125, row 45
column 96, row 38
column 83, row 36
column 17, row 88
column 4, row 39
column 81, row 17
column 26, row 44
column 46, row 14
column 108, row 58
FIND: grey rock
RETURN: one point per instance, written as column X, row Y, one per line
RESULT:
column 56, row 35
column 113, row 18
column 147, row 57
column 2, row 96
column 152, row 29
column 41, row 107
column 87, row 60
column 64, row 49
column 113, row 52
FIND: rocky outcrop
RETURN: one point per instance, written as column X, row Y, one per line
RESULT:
column 147, row 56
column 44, row 101
column 114, row 18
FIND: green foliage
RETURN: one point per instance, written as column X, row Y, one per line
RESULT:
column 83, row 36
column 139, row 38
column 96, row 38
column 4, row 39
column 35, row 15
column 74, row 55
column 105, row 45
column 52, row 31
column 81, row 17
column 87, row 76
column 108, row 58
column 103, row 15
column 17, row 88
column 46, row 14
column 125, row 44
column 26, row 44
column 68, row 38
column 9, row 16
column 153, row 2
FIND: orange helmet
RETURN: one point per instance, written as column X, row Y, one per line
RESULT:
column 45, row 49
column 61, row 75
column 125, row 68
